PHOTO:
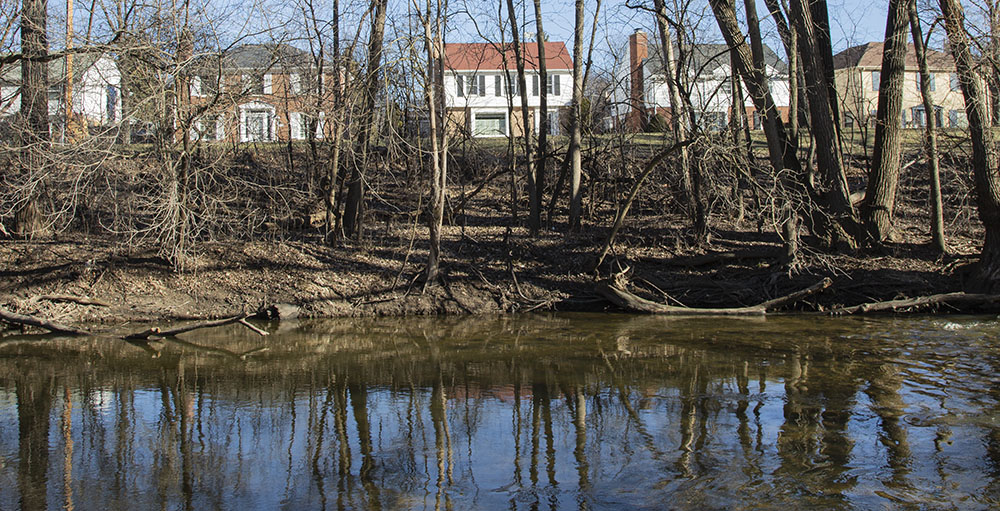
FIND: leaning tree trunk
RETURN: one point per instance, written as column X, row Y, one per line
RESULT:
column 930, row 133
column 984, row 154
column 880, row 196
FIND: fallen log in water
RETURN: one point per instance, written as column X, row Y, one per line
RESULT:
column 171, row 332
column 630, row 302
column 958, row 301
column 52, row 326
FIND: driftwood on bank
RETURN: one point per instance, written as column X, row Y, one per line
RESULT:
column 630, row 302
column 171, row 332
column 958, row 301
column 52, row 326
column 81, row 300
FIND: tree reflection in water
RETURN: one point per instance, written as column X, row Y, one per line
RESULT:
column 537, row 412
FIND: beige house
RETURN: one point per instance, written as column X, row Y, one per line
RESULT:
column 857, row 72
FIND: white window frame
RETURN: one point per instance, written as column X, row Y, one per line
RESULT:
column 254, row 106
column 505, row 119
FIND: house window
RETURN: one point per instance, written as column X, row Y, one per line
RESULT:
column 295, row 83
column 253, row 84
column 931, row 80
column 460, row 83
column 257, row 85
column 552, row 87
column 298, row 125
column 756, row 120
column 209, row 129
column 555, row 127
column 490, row 125
column 957, row 119
column 918, row 116
column 876, row 77
column 955, row 84
column 476, row 85
column 848, row 121
column 512, row 86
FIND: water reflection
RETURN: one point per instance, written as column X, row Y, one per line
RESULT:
column 536, row 412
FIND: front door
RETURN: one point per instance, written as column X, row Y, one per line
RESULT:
column 258, row 125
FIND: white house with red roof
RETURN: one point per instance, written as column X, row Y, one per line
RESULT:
column 481, row 93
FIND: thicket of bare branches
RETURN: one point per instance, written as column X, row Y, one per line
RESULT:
column 373, row 146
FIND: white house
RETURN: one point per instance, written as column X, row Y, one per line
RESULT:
column 481, row 93
column 96, row 89
column 641, row 91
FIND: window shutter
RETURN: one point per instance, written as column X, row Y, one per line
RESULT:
column 267, row 84
column 496, row 85
column 321, row 125
column 555, row 85
column 195, row 88
column 460, row 80
column 294, row 125
column 534, row 85
column 482, row 85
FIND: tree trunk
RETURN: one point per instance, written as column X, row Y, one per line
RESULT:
column 678, row 113
column 34, row 111
column 535, row 220
column 575, row 137
column 333, row 171
column 353, row 209
column 880, row 196
column 930, row 133
column 984, row 155
column 434, row 94
column 838, row 224
column 522, row 90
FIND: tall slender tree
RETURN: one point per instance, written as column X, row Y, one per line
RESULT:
column 930, row 133
column 575, row 136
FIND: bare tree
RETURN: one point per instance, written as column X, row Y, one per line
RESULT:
column 985, row 167
column 434, row 96
column 353, row 207
column 930, row 132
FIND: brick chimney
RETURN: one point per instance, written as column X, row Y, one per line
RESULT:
column 637, row 54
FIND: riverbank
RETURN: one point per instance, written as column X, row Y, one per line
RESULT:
column 486, row 271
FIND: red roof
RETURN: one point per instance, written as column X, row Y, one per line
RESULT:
column 489, row 56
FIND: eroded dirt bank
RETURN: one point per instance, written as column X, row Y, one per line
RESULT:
column 485, row 271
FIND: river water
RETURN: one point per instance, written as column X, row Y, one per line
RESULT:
column 565, row 411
